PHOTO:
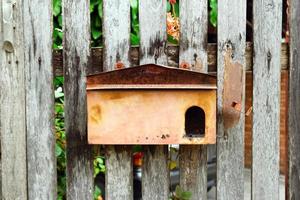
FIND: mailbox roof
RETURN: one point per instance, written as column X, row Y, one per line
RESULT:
column 151, row 76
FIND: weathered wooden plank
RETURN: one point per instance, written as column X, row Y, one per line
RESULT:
column 153, row 37
column 12, row 102
column 294, row 102
column 231, row 88
column 116, row 27
column 193, row 54
column 116, row 32
column 172, row 54
column 76, row 59
column 266, row 99
column 41, row 160
column 118, row 175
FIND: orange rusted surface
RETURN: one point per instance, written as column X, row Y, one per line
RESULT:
column 232, row 91
column 148, row 116
column 148, row 105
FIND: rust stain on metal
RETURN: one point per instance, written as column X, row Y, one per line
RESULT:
column 119, row 65
column 232, row 91
column 184, row 65
column 95, row 114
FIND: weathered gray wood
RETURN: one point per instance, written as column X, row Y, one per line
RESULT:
column 193, row 34
column 76, row 58
column 118, row 175
column 153, row 35
column 12, row 102
column 41, row 160
column 193, row 170
column 230, row 140
column 155, row 178
column 294, row 102
column 193, row 54
column 116, row 27
column 152, row 18
column 172, row 54
column 116, row 32
column 266, row 99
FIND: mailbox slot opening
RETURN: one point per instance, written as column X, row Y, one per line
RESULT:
column 195, row 122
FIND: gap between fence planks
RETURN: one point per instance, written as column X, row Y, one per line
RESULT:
column 193, row 54
column 266, row 99
column 116, row 33
column 231, row 73
column 76, row 42
column 172, row 52
column 294, row 102
column 153, row 38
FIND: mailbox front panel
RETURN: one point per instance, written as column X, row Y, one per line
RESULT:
column 151, row 116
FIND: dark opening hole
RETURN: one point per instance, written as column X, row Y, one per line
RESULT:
column 195, row 122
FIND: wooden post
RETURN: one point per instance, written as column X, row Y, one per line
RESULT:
column 294, row 102
column 231, row 74
column 41, row 160
column 116, row 32
column 193, row 55
column 12, row 101
column 76, row 28
column 152, row 18
column 266, row 99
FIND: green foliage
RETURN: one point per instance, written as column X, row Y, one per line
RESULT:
column 60, row 147
column 180, row 194
column 213, row 14
column 99, row 165
column 97, row 17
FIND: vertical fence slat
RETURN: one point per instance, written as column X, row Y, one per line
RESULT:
column 231, row 74
column 152, row 18
column 193, row 53
column 12, row 102
column 294, row 102
column 76, row 27
column 266, row 99
column 116, row 30
column 41, row 161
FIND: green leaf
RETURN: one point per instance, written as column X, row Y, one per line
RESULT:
column 59, row 19
column 100, row 9
column 96, row 34
column 168, row 6
column 134, row 39
column 58, row 150
column 56, row 7
column 134, row 4
column 97, row 192
column 186, row 195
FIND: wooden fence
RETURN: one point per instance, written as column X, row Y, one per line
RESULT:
column 28, row 165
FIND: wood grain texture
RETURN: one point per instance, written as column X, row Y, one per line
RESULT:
column 230, row 141
column 12, row 102
column 116, row 32
column 155, row 178
column 172, row 52
column 118, row 177
column 294, row 102
column 41, row 160
column 76, row 59
column 193, row 53
column 153, row 38
column 266, row 99
column 153, row 35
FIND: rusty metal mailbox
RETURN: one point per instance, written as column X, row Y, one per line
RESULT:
column 151, row 104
